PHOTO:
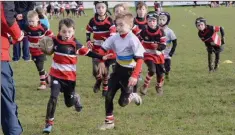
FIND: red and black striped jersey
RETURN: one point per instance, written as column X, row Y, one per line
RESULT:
column 101, row 30
column 65, row 58
column 210, row 35
column 139, row 24
column 154, row 42
column 34, row 34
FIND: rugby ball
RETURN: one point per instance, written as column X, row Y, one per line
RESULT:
column 46, row 44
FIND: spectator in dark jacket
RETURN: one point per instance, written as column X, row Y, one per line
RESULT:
column 22, row 8
column 9, row 119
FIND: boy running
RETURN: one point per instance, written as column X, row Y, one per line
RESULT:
column 140, row 20
column 63, row 69
column 213, row 42
column 154, row 42
column 102, row 26
column 35, row 30
column 164, row 20
column 129, row 61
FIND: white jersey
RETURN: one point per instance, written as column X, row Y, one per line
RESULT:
column 52, row 4
column 73, row 5
column 126, row 48
column 62, row 5
column 170, row 35
column 56, row 5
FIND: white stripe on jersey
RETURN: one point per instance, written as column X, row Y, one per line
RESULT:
column 100, row 31
column 148, row 41
column 153, row 51
column 67, row 55
column 98, row 42
column 216, row 39
column 63, row 67
column 34, row 45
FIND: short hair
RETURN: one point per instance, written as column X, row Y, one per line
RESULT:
column 32, row 14
column 124, row 5
column 67, row 22
column 140, row 5
column 40, row 12
column 127, row 17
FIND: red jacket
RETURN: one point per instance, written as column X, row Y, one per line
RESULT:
column 8, row 25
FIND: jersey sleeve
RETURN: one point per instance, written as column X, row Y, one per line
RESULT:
column 112, row 27
column 172, row 35
column 137, row 47
column 108, row 43
column 136, row 30
column 47, row 31
column 89, row 26
column 89, row 30
column 163, row 38
column 80, row 49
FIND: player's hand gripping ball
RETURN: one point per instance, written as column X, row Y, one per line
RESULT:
column 46, row 44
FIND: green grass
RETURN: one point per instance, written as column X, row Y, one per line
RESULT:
column 194, row 102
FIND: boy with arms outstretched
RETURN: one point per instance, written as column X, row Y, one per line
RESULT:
column 63, row 69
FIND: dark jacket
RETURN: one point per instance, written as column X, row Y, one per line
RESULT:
column 23, row 7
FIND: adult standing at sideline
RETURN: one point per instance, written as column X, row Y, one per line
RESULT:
column 9, row 119
column 22, row 8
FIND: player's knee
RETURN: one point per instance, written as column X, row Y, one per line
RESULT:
column 151, row 72
column 69, row 102
column 95, row 73
column 108, row 97
column 53, row 100
column 123, row 102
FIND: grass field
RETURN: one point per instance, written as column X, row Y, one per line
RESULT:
column 194, row 102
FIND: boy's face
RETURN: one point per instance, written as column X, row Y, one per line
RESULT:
column 66, row 33
column 152, row 23
column 122, row 26
column 101, row 9
column 33, row 21
column 141, row 12
column 201, row 26
column 162, row 20
column 118, row 10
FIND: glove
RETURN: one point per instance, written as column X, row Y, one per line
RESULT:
column 89, row 44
